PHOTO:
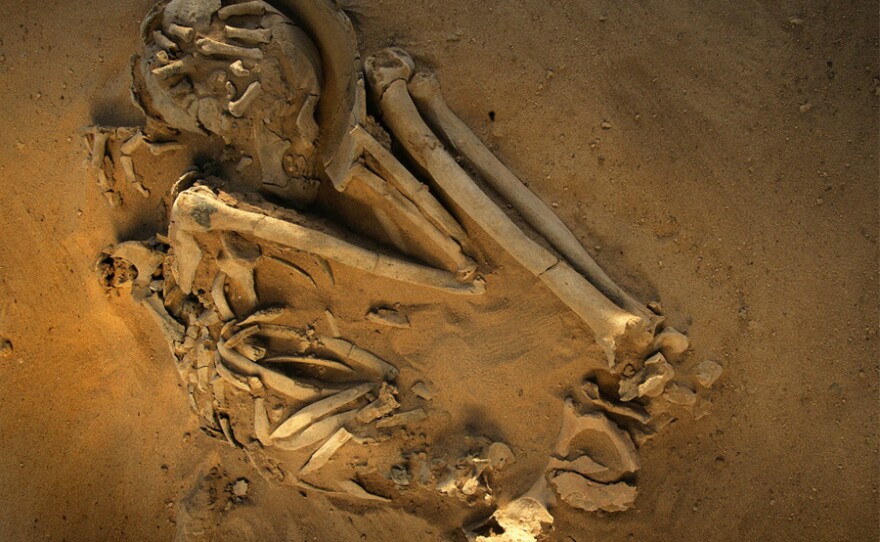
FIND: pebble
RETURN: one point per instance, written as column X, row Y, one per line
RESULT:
column 707, row 372
column 5, row 348
column 240, row 488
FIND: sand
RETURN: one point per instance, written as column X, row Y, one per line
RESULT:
column 719, row 158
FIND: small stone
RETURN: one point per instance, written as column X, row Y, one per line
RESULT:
column 805, row 107
column 678, row 394
column 5, row 348
column 400, row 476
column 650, row 381
column 605, row 125
column 707, row 372
column 240, row 487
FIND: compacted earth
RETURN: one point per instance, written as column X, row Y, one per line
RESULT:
column 719, row 158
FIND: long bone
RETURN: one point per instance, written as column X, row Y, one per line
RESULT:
column 428, row 97
column 464, row 267
column 199, row 210
column 388, row 72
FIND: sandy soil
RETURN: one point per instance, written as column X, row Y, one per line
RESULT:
column 737, row 184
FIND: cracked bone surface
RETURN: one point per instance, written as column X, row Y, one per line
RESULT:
column 388, row 72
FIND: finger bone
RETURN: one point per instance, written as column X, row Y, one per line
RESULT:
column 239, row 107
column 244, row 8
column 260, row 35
column 183, row 33
column 218, row 48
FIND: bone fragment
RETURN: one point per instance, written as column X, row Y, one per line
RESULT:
column 388, row 317
column 310, row 414
column 163, row 41
column 610, row 324
column 128, row 169
column 241, row 335
column 334, row 325
column 591, row 390
column 359, row 358
column 183, row 33
column 178, row 67
column 707, row 372
column 226, row 375
column 274, row 380
column 251, row 350
column 326, row 451
column 316, row 432
column 423, row 391
column 99, row 148
column 238, row 260
column 114, row 200
column 464, row 267
column 212, row 47
column 426, row 93
column 584, row 494
column 679, row 394
column 132, row 144
column 171, row 328
column 671, row 342
column 325, row 267
column 499, row 455
column 239, row 107
column 522, row 520
column 398, row 176
column 237, row 68
column 574, row 424
column 404, row 418
column 260, row 35
column 385, row 404
column 263, row 316
column 298, row 271
column 243, row 8
column 243, row 163
column 218, row 295
column 261, row 422
column 285, row 333
column 199, row 210
column 227, row 430
column 187, row 256
column 356, row 490
column 649, row 381
column 307, row 360
column 585, row 466
column 144, row 259
column 159, row 148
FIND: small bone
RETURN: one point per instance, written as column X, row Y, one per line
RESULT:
column 326, row 451
column 274, row 380
column 263, row 316
column 128, row 169
column 610, row 324
column 649, row 381
column 171, row 328
column 227, row 431
column 218, row 295
column 251, row 350
column 591, row 390
column 574, row 424
column 132, row 144
column 707, row 372
column 238, row 260
column 261, row 422
column 325, row 267
column 584, row 494
column 317, row 362
column 243, row 163
column 316, row 432
column 404, row 418
column 144, row 259
column 585, row 466
column 160, row 148
column 244, row 8
column 679, row 394
column 173, row 69
column 671, row 342
column 99, row 148
column 298, row 271
column 241, row 335
column 385, row 404
column 356, row 490
column 499, row 455
column 388, row 317
column 226, row 375
column 357, row 357
column 163, row 41
column 334, row 325
column 200, row 210
column 183, row 33
column 426, row 93
column 308, row 415
column 218, row 48
column 239, row 107
column 237, row 68
column 260, row 35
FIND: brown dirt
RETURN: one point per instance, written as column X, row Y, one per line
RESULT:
column 738, row 184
